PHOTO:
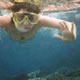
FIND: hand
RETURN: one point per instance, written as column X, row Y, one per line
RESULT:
column 68, row 31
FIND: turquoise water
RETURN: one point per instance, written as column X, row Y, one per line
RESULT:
column 43, row 52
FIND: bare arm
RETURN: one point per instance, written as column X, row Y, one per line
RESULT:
column 68, row 29
column 49, row 22
column 5, row 20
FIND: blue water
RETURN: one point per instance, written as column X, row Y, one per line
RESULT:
column 43, row 52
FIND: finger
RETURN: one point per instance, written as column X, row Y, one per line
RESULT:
column 73, row 30
column 59, row 37
column 65, row 25
column 73, row 26
column 62, row 25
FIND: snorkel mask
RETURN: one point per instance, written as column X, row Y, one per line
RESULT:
column 21, row 17
column 26, row 18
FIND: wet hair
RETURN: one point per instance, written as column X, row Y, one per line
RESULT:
column 27, row 6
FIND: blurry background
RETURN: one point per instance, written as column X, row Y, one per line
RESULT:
column 44, row 52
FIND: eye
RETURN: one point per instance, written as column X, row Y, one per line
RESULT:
column 20, row 16
column 31, row 17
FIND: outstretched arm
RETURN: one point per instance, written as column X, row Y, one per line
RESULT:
column 5, row 20
column 49, row 22
column 67, row 29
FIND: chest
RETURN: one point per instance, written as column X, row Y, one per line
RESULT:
column 16, row 35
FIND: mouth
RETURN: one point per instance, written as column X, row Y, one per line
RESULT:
column 27, row 26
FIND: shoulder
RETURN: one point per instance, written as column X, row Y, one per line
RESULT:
column 5, row 20
column 43, row 20
column 40, row 20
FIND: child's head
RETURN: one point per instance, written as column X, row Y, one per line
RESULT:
column 27, row 5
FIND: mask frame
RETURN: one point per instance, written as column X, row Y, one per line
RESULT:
column 30, row 17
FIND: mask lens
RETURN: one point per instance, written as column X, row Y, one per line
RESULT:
column 32, row 18
column 20, row 16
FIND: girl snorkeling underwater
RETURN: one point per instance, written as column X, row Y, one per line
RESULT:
column 26, row 20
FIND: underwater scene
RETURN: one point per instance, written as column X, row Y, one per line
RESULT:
column 44, row 57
